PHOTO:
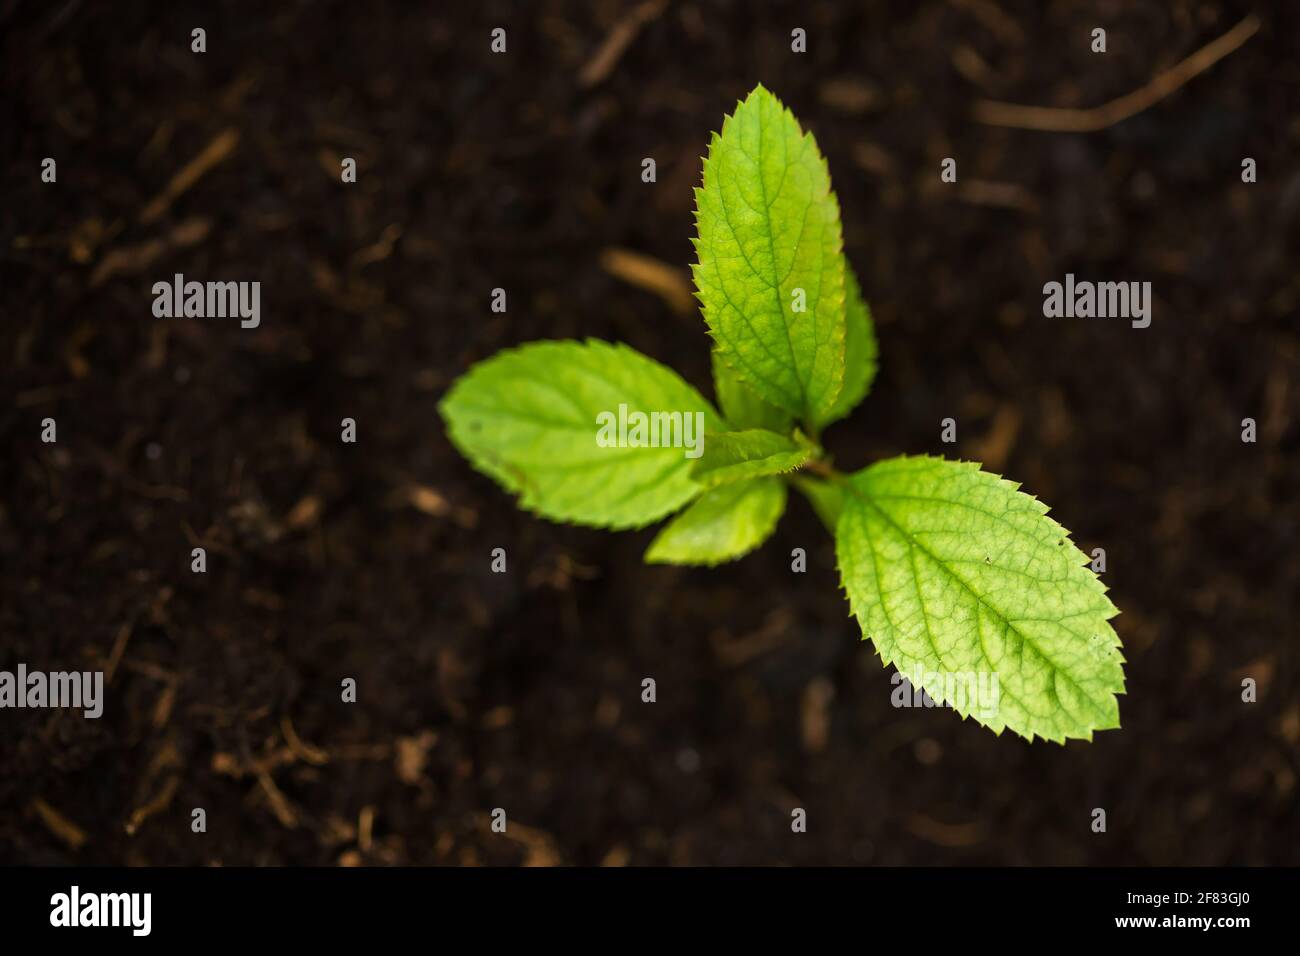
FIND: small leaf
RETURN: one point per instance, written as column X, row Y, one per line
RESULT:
column 734, row 456
column 741, row 405
column 770, row 270
column 860, row 353
column 957, row 576
column 723, row 524
column 531, row 417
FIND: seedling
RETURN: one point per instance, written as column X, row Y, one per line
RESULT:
column 959, row 579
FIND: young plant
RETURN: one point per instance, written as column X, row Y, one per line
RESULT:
column 959, row 579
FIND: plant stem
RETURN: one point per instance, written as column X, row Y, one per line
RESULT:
column 822, row 468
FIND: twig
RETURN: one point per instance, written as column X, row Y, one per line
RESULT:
column 617, row 41
column 59, row 825
column 280, row 804
column 313, row 755
column 994, row 20
column 221, row 146
column 161, row 801
column 822, row 468
column 1058, row 120
column 119, row 648
column 135, row 259
column 982, row 192
column 650, row 274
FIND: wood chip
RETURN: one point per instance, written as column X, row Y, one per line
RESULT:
column 992, row 450
column 982, row 192
column 994, row 20
column 427, row 500
column 218, row 149
column 303, row 751
column 737, row 651
column 1059, row 120
column 873, row 159
column 226, row 764
column 412, row 755
column 617, row 41
column 541, row 846
column 119, row 648
column 59, row 825
column 944, row 834
column 161, row 800
column 1288, row 725
column 280, row 804
column 652, row 275
column 135, row 259
column 850, row 96
column 380, row 250
column 162, row 708
column 617, row 856
column 816, row 714
column 973, row 66
column 304, row 513
column 365, row 828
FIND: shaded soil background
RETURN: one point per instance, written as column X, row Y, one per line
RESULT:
column 522, row 690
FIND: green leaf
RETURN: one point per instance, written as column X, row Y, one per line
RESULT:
column 722, row 525
column 741, row 405
column 954, row 574
column 532, row 419
column 860, row 353
column 769, row 229
column 734, row 456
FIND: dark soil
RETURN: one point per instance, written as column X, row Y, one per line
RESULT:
column 522, row 691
